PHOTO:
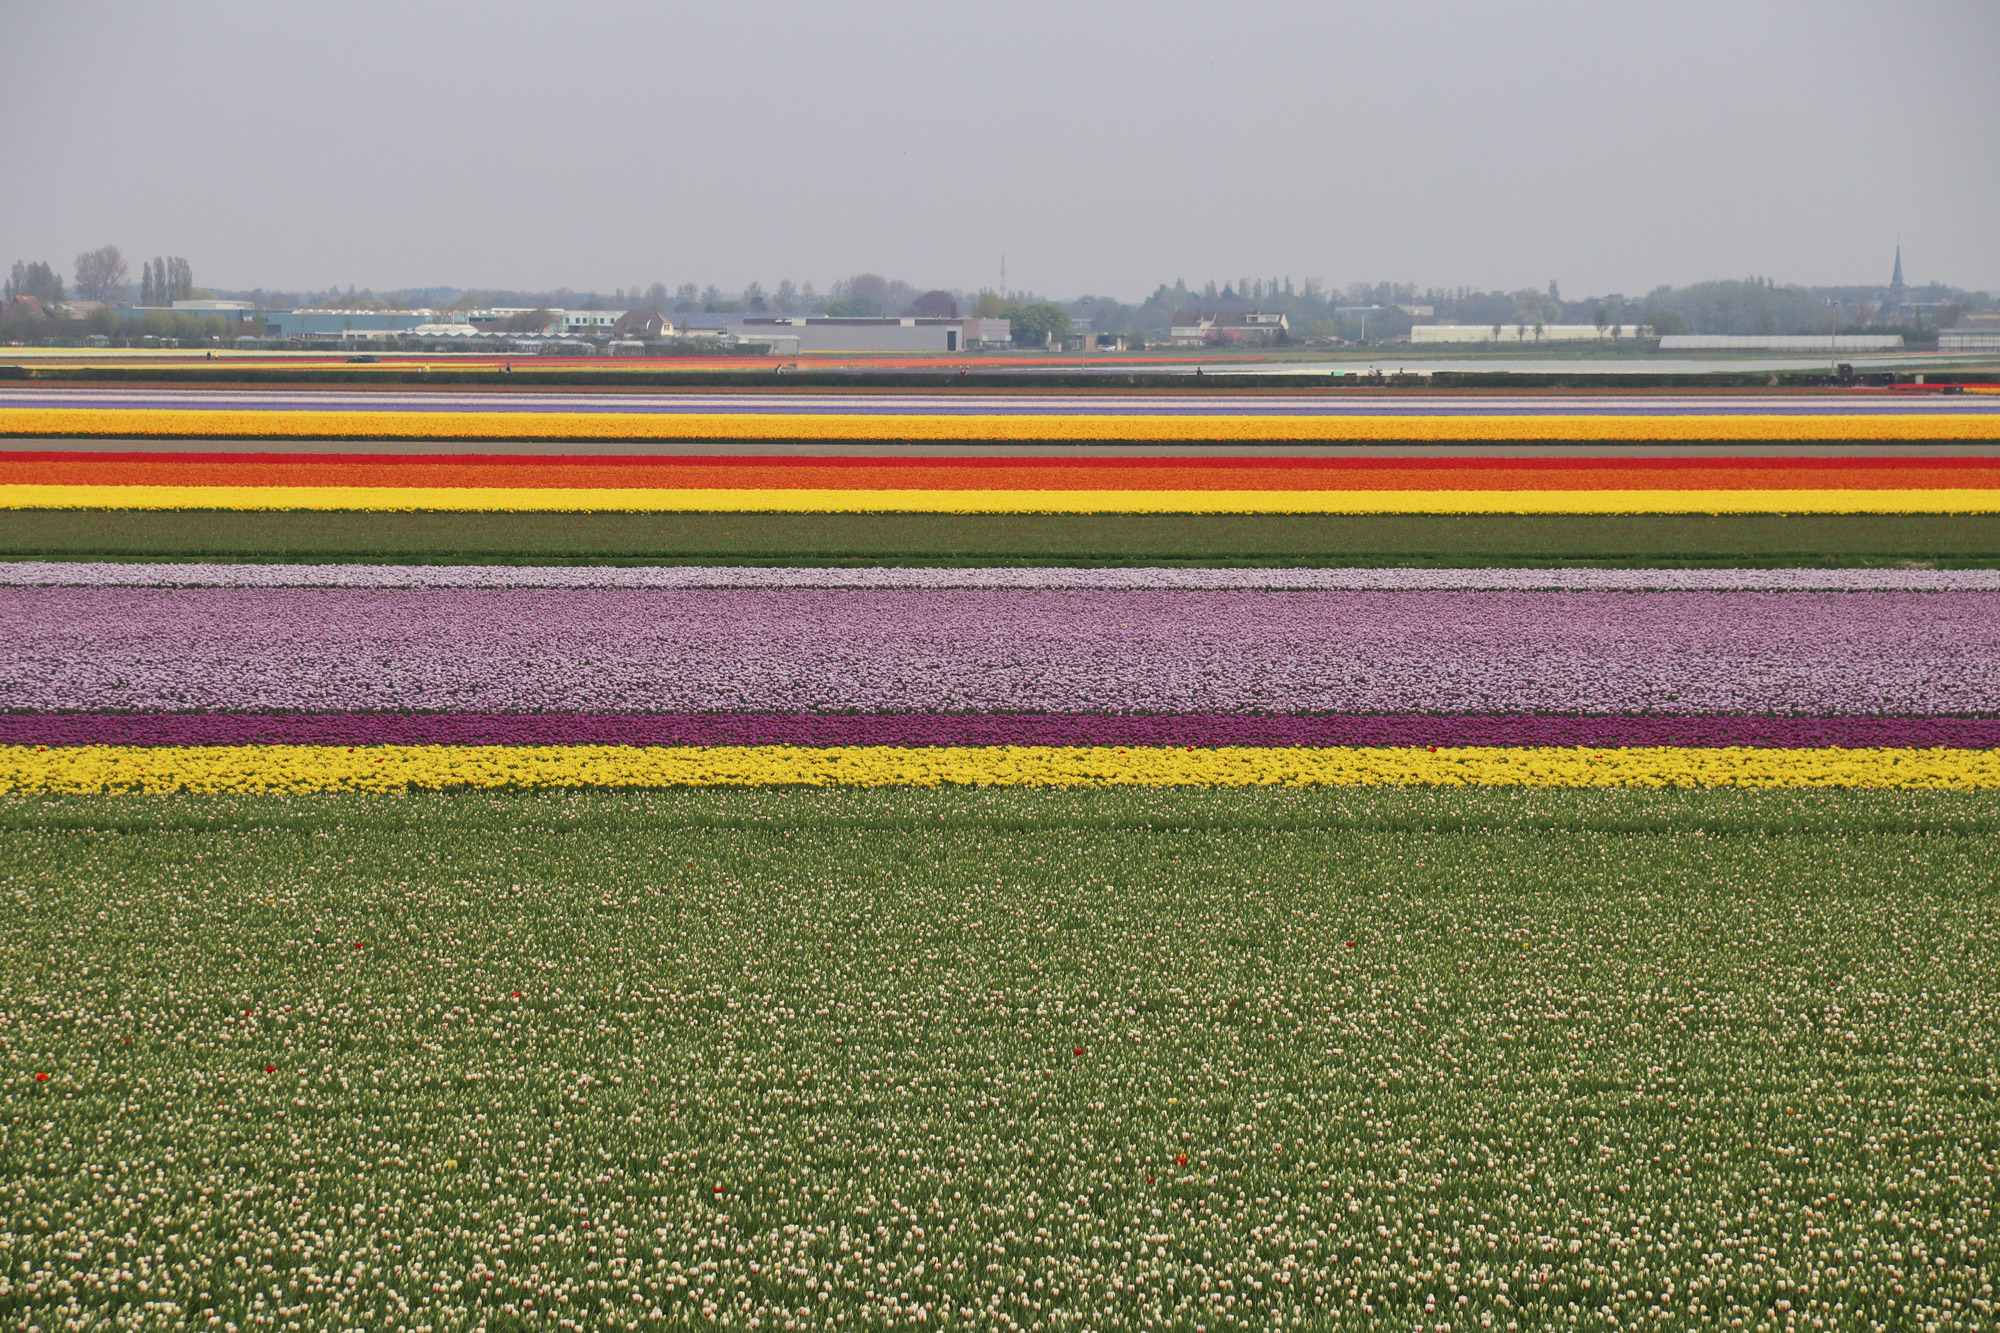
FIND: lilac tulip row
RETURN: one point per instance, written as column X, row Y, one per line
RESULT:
column 1098, row 729
column 1799, row 654
column 106, row 574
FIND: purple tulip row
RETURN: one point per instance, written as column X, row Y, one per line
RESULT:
column 1104, row 729
column 1797, row 654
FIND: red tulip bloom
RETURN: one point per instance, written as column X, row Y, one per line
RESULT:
column 270, row 1069
column 41, row 1078
column 1078, row 1051
column 357, row 944
column 1181, row 1160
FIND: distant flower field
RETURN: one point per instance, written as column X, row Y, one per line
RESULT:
column 827, row 943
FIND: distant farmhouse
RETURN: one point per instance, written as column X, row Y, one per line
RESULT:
column 643, row 324
column 1248, row 328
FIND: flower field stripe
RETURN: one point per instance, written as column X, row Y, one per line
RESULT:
column 821, row 730
column 710, row 473
column 985, row 650
column 359, row 422
column 814, row 501
column 308, row 768
column 1108, row 400
column 207, row 574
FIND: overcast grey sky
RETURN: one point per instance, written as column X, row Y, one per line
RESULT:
column 1103, row 147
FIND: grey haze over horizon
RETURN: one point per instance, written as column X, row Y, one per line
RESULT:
column 1103, row 148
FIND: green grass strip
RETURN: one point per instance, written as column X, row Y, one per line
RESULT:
column 1180, row 1059
column 1640, row 539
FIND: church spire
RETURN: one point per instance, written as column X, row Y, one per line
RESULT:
column 1896, row 283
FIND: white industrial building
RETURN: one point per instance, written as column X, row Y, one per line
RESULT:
column 780, row 335
column 828, row 333
column 559, row 321
column 1524, row 333
column 1782, row 342
column 1969, row 340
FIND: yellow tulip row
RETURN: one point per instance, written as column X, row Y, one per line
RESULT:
column 526, row 499
column 311, row 768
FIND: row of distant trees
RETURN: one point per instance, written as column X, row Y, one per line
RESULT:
column 37, row 281
column 864, row 295
column 165, row 281
column 1315, row 309
column 1748, row 305
column 103, row 275
column 1031, row 323
column 21, row 323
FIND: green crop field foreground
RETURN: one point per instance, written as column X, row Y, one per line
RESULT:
column 1176, row 1059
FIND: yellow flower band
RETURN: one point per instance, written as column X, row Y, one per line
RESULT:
column 359, row 422
column 527, row 499
column 315, row 768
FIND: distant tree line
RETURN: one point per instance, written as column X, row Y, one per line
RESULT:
column 36, row 281
column 19, row 323
column 103, row 275
column 1315, row 310
column 1751, row 305
column 90, row 305
column 165, row 281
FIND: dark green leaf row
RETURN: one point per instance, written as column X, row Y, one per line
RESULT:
column 1037, row 539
